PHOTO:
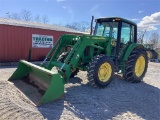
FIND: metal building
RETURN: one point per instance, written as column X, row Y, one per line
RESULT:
column 17, row 38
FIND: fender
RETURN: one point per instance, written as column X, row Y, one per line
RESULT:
column 129, row 49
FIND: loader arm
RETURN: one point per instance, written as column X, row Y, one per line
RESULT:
column 77, row 46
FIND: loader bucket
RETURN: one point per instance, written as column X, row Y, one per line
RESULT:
column 38, row 84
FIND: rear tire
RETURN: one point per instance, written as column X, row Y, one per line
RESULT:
column 100, row 71
column 136, row 66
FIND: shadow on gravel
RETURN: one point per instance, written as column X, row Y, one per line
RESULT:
column 120, row 100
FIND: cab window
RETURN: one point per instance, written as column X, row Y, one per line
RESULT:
column 107, row 29
column 127, row 33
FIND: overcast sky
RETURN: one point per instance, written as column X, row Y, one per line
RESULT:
column 145, row 13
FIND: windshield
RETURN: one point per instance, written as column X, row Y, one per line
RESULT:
column 107, row 29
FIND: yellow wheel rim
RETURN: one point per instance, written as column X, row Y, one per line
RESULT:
column 140, row 66
column 104, row 72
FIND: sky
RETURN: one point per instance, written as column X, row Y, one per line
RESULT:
column 146, row 13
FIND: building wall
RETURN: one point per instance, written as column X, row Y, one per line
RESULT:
column 16, row 41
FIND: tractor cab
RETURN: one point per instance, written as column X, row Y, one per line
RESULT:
column 122, row 32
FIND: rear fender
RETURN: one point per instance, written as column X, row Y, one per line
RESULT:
column 127, row 53
column 130, row 49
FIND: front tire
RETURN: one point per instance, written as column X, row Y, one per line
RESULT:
column 100, row 71
column 136, row 66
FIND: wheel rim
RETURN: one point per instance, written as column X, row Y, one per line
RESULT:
column 140, row 66
column 104, row 72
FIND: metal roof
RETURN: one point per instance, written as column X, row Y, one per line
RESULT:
column 13, row 22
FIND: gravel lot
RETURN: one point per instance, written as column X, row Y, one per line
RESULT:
column 119, row 101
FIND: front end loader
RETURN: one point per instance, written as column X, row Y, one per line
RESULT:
column 67, row 56
column 112, row 48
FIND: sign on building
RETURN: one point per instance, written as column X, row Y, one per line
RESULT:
column 42, row 41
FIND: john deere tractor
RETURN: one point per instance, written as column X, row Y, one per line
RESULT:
column 151, row 52
column 111, row 48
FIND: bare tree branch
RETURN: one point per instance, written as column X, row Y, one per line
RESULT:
column 26, row 15
column 140, row 36
column 45, row 19
column 154, row 39
column 13, row 16
column 80, row 26
column 16, row 16
column 37, row 18
column 8, row 15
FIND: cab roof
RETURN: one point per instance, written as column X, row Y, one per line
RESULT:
column 116, row 19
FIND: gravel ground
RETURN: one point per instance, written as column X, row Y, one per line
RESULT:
column 119, row 101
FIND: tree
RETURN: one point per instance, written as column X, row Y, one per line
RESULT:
column 44, row 19
column 13, row 16
column 26, row 15
column 37, row 18
column 140, row 36
column 59, row 24
column 84, row 25
column 73, row 25
column 8, row 15
column 79, row 26
column 16, row 16
column 154, row 39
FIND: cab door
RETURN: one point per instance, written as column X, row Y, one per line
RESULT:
column 126, row 37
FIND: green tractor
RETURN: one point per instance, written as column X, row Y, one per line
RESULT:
column 151, row 52
column 112, row 48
